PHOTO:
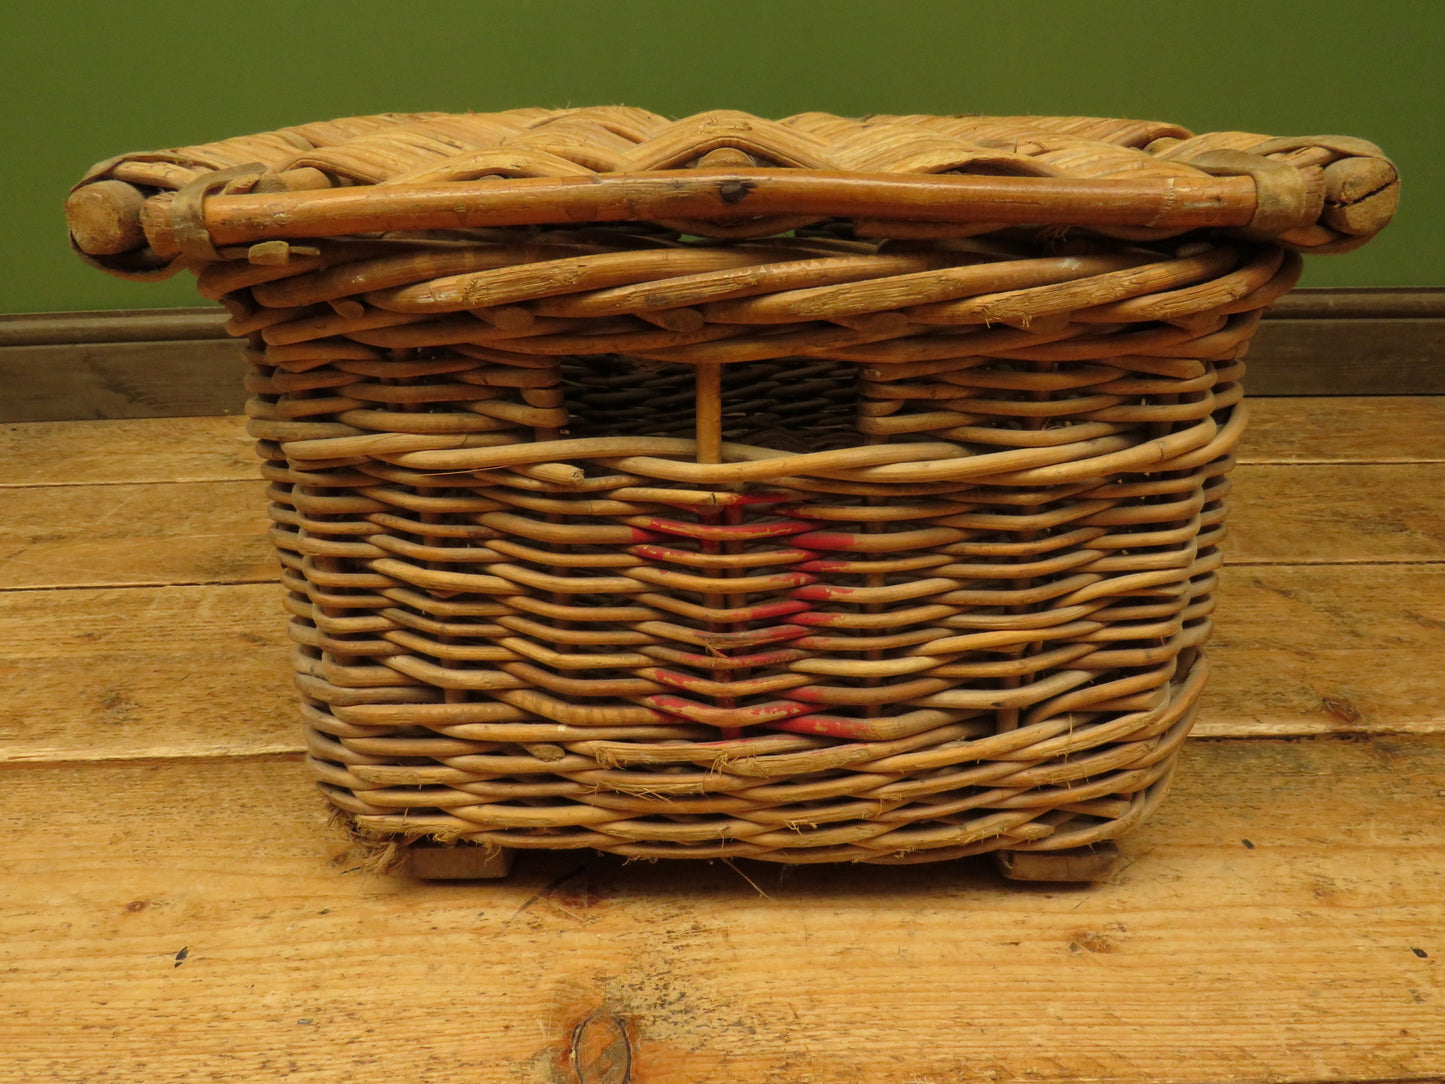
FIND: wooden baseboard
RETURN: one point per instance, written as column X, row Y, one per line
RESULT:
column 1351, row 342
column 178, row 362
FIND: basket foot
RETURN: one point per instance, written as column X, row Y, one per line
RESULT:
column 458, row 862
column 1075, row 864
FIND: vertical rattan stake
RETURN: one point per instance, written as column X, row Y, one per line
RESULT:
column 708, row 408
column 709, row 413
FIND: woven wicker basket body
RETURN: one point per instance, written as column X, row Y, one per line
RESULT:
column 813, row 490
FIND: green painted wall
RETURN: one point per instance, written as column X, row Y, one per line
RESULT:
column 83, row 81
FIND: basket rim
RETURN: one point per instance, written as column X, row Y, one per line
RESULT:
column 724, row 176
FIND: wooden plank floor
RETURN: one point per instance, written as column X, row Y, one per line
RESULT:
column 174, row 905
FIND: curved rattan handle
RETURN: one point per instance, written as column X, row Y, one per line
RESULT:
column 106, row 219
column 1319, row 193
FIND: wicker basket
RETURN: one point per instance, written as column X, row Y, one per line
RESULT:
column 812, row 490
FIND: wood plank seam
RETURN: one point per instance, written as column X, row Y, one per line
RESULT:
column 294, row 752
column 141, row 585
column 1262, row 563
column 297, row 752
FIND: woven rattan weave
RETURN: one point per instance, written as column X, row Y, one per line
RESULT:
column 811, row 490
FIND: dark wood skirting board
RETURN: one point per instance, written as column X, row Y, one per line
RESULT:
column 1348, row 355
column 178, row 362
column 1369, row 302
column 82, row 381
column 112, row 326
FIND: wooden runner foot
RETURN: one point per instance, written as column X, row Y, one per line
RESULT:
column 1076, row 864
column 457, row 862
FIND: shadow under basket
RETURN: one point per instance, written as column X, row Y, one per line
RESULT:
column 811, row 491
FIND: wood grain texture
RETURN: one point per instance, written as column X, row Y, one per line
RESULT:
column 146, row 672
column 175, row 362
column 115, row 673
column 1308, row 429
column 207, row 449
column 1327, row 650
column 1360, row 302
column 1337, row 513
column 176, row 908
column 111, row 326
column 118, row 673
column 1393, row 356
column 121, row 380
column 150, row 533
column 1281, row 920
column 95, row 535
column 1387, row 429
column 203, row 377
